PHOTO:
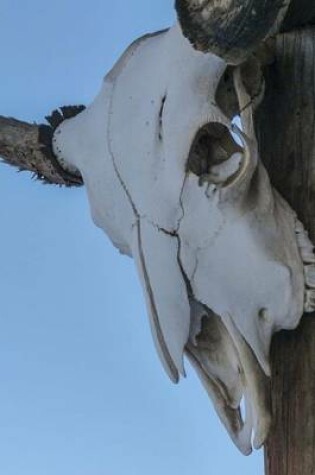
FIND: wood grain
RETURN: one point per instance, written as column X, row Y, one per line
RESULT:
column 285, row 125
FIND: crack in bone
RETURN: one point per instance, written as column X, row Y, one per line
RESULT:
column 181, row 203
column 155, row 314
column 110, row 149
column 160, row 134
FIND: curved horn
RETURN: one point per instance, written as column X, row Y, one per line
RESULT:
column 231, row 29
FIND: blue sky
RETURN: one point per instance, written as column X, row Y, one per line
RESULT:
column 81, row 389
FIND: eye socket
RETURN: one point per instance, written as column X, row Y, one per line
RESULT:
column 213, row 145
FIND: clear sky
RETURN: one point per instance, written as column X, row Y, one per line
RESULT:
column 81, row 389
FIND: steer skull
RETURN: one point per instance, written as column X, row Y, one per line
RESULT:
column 180, row 189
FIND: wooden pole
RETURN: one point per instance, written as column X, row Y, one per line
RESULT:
column 285, row 125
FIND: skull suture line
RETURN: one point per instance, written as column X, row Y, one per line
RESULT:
column 223, row 261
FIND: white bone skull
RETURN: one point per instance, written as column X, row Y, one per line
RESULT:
column 223, row 261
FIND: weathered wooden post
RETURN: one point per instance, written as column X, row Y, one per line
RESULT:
column 285, row 126
column 286, row 132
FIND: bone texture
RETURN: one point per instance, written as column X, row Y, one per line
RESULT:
column 222, row 259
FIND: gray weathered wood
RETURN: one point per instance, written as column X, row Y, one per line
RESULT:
column 286, row 133
column 28, row 147
column 300, row 13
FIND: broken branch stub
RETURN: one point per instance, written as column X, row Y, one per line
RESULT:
column 174, row 184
